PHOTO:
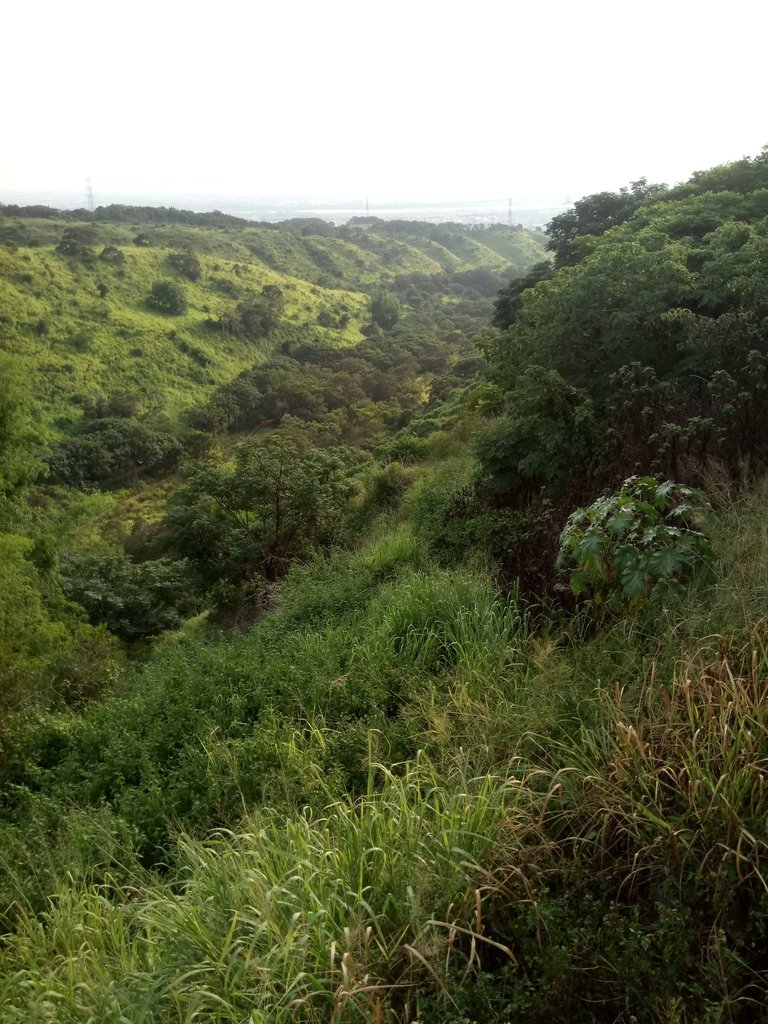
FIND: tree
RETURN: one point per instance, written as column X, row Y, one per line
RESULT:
column 385, row 309
column 247, row 521
column 509, row 299
column 255, row 317
column 594, row 215
column 111, row 254
column 134, row 600
column 111, row 450
column 76, row 243
column 168, row 297
column 187, row 264
column 548, row 432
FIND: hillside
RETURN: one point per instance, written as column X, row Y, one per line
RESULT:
column 78, row 344
column 413, row 669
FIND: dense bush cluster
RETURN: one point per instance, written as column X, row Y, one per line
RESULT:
column 112, row 450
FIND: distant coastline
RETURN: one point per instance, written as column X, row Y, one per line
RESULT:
column 528, row 214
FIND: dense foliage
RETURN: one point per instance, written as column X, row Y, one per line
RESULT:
column 352, row 671
column 112, row 450
column 643, row 354
column 275, row 504
column 639, row 545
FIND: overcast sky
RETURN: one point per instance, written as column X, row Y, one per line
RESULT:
column 404, row 99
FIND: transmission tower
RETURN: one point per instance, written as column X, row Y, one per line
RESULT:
column 89, row 198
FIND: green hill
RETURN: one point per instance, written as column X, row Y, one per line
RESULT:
column 78, row 345
column 433, row 685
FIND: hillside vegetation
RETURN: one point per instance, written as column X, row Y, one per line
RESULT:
column 393, row 675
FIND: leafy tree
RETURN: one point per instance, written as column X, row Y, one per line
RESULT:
column 590, row 319
column 119, row 405
column 384, row 308
column 134, row 600
column 46, row 653
column 509, row 298
column 76, row 244
column 112, row 450
column 255, row 317
column 247, row 521
column 593, row 215
column 167, row 297
column 111, row 254
column 187, row 264
column 547, row 434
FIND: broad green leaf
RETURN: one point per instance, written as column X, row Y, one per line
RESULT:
column 579, row 582
column 633, row 581
column 668, row 562
column 620, row 522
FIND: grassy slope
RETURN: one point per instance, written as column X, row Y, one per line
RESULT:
column 589, row 812
column 77, row 346
column 515, row 246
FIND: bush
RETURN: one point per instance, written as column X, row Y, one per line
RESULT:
column 255, row 317
column 167, row 297
column 641, row 545
column 111, row 254
column 111, row 450
column 186, row 264
column 133, row 600
column 384, row 309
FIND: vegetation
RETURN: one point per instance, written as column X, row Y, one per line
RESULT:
column 639, row 545
column 363, row 672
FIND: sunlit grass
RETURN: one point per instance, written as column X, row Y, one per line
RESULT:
column 315, row 917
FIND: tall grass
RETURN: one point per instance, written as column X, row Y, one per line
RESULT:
column 585, row 841
column 441, row 621
column 343, row 916
column 676, row 782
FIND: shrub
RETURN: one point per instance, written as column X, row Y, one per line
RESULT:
column 133, row 600
column 112, row 450
column 384, row 309
column 167, row 297
column 186, row 264
column 111, row 254
column 640, row 545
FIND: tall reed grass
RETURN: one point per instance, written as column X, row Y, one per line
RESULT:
column 343, row 916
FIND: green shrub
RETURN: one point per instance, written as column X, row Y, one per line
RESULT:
column 112, row 450
column 640, row 545
column 167, row 297
column 133, row 600
column 187, row 264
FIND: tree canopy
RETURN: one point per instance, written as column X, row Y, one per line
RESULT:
column 248, row 520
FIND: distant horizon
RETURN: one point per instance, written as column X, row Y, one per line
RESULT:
column 399, row 103
column 528, row 211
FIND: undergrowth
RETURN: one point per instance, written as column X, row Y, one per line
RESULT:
column 400, row 798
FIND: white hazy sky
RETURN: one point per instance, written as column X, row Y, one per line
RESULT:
column 404, row 99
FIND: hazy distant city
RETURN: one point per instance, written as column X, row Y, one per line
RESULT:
column 528, row 213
